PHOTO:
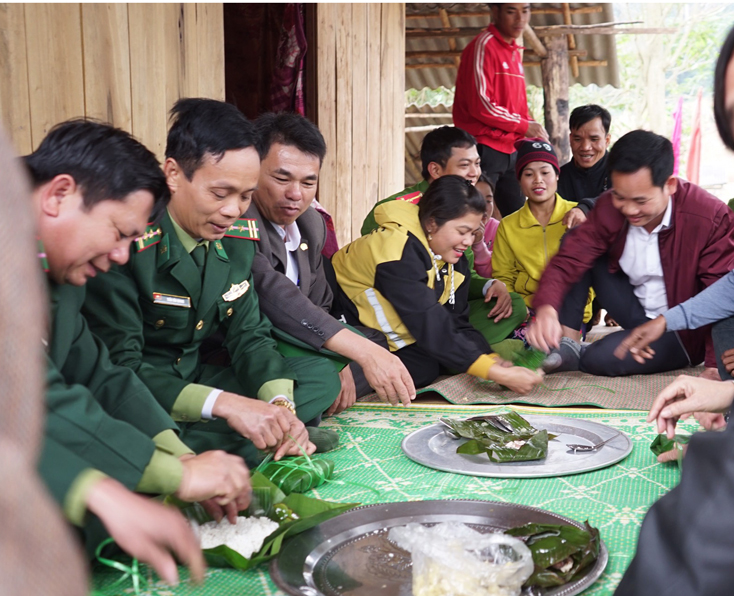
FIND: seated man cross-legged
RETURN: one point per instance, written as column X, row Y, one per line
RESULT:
column 190, row 278
column 650, row 243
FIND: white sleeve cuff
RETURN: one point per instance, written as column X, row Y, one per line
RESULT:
column 206, row 411
column 282, row 397
column 486, row 286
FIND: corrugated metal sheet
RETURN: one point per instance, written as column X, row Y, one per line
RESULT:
column 598, row 47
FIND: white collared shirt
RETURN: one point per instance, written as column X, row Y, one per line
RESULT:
column 291, row 236
column 641, row 262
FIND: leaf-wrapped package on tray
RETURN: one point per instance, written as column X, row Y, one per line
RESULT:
column 560, row 552
column 294, row 513
column 503, row 435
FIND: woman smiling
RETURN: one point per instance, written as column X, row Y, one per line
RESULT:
column 409, row 279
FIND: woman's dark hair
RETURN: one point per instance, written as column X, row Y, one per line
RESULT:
column 643, row 149
column 484, row 178
column 107, row 163
column 447, row 198
column 723, row 120
column 294, row 130
column 203, row 127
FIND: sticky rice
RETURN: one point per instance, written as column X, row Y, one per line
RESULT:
column 245, row 537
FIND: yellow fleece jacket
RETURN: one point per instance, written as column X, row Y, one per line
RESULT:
column 522, row 249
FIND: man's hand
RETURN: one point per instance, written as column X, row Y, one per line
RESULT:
column 266, row 425
column 535, row 130
column 347, row 395
column 386, row 374
column 672, row 455
column 638, row 341
column 217, row 476
column 516, row 378
column 727, row 359
column 479, row 233
column 573, row 218
column 712, row 374
column 503, row 308
column 545, row 332
column 688, row 395
column 146, row 530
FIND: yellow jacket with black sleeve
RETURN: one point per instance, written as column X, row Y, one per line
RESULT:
column 391, row 283
column 523, row 248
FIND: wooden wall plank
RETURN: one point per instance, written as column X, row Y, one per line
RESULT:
column 326, row 82
column 202, row 36
column 387, row 93
column 393, row 74
column 149, row 72
column 360, row 125
column 55, row 68
column 15, row 110
column 107, row 63
column 344, row 90
column 374, row 143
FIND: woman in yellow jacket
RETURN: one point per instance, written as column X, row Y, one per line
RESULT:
column 527, row 239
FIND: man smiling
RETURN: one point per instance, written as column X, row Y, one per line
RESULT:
column 650, row 243
column 189, row 279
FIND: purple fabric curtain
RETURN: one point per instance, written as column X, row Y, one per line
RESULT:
column 286, row 91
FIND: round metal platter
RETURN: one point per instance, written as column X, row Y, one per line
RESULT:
column 432, row 447
column 351, row 555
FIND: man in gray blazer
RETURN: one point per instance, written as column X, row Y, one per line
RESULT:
column 288, row 269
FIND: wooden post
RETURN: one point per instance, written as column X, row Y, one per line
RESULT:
column 554, row 70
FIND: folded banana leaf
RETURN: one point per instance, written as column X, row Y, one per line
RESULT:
column 560, row 552
column 529, row 358
column 503, row 435
column 662, row 443
column 298, row 475
column 294, row 513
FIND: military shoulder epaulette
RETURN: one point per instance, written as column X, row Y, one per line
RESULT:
column 413, row 197
column 244, row 228
column 153, row 234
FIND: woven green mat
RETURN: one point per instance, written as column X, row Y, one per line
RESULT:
column 614, row 499
column 560, row 389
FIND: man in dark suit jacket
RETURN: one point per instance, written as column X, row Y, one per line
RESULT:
column 288, row 270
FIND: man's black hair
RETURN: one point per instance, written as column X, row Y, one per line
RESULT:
column 724, row 121
column 290, row 129
column 449, row 197
column 201, row 127
column 587, row 113
column 106, row 163
column 438, row 144
column 643, row 149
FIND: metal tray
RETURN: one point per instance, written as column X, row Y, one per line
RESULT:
column 350, row 555
column 431, row 447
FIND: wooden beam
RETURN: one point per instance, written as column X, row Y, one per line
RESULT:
column 421, row 115
column 591, row 63
column 452, row 41
column 571, row 39
column 551, row 30
column 423, row 128
column 424, row 33
column 454, row 54
column 525, row 63
column 554, row 71
column 534, row 42
column 476, row 13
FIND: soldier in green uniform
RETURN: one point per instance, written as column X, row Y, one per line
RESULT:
column 188, row 279
column 94, row 188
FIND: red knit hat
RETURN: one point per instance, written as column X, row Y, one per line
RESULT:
column 534, row 150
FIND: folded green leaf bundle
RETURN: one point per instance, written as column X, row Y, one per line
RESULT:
column 560, row 552
column 503, row 435
column 298, row 475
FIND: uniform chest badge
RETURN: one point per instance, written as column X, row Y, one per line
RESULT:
column 235, row 291
column 171, row 300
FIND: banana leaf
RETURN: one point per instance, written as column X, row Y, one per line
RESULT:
column 529, row 358
column 488, row 434
column 662, row 443
column 560, row 552
column 298, row 475
column 269, row 500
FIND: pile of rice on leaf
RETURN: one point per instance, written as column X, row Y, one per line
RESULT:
column 560, row 552
column 503, row 435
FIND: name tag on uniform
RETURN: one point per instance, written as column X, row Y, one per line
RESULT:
column 171, row 300
column 236, row 291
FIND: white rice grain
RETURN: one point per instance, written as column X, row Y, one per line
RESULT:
column 246, row 536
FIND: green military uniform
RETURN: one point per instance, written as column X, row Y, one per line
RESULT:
column 154, row 313
column 478, row 309
column 101, row 419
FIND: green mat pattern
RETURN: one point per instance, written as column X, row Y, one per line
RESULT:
column 560, row 389
column 614, row 499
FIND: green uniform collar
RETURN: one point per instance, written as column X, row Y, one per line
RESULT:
column 190, row 243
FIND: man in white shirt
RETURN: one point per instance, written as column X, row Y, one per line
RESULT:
column 651, row 242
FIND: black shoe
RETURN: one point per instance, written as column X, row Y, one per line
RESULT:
column 564, row 359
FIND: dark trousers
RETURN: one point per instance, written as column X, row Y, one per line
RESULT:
column 500, row 169
column 722, row 334
column 617, row 296
column 423, row 368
